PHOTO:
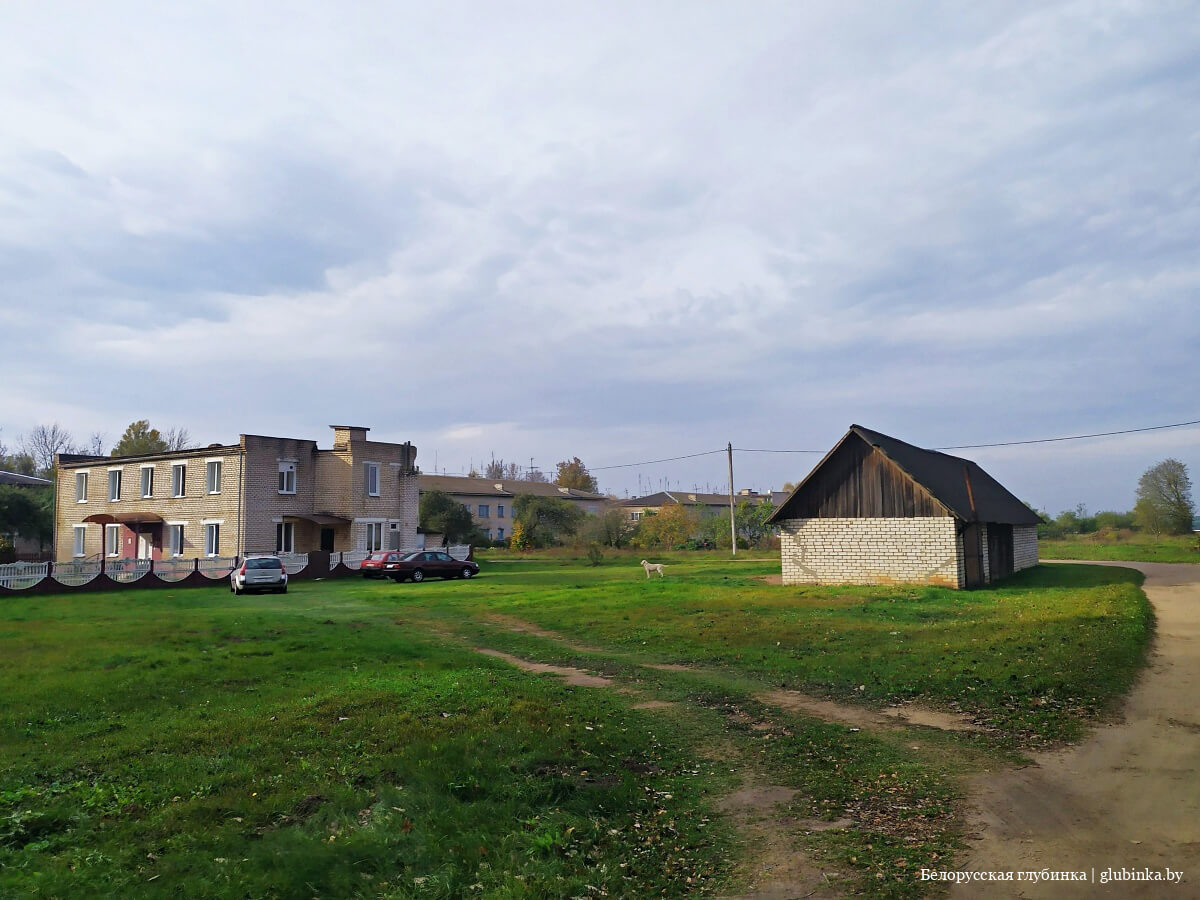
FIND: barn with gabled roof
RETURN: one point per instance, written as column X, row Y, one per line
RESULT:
column 876, row 510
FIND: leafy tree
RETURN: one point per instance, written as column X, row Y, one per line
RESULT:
column 609, row 529
column 546, row 520
column 669, row 528
column 519, row 540
column 572, row 473
column 1164, row 499
column 140, row 439
column 788, row 486
column 28, row 511
column 751, row 519
column 440, row 512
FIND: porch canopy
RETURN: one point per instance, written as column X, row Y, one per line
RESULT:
column 125, row 518
column 319, row 518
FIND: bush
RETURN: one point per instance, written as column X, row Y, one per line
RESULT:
column 594, row 554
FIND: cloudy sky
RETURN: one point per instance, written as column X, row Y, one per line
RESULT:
column 622, row 231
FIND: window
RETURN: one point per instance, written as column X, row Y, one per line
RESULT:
column 635, row 516
column 114, row 484
column 287, row 478
column 500, row 511
column 148, row 481
column 175, row 539
column 80, row 535
column 285, row 537
column 212, row 539
column 499, row 534
column 178, row 479
column 374, row 536
column 489, row 534
column 371, row 479
column 213, row 476
column 483, row 511
column 112, row 540
column 81, row 487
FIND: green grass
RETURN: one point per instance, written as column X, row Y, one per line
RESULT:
column 1138, row 548
column 344, row 740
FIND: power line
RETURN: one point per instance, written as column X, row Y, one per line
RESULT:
column 1073, row 437
column 1070, row 437
column 651, row 462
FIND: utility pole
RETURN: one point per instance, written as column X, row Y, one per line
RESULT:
column 732, row 524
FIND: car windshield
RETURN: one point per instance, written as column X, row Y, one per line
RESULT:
column 263, row 564
column 378, row 556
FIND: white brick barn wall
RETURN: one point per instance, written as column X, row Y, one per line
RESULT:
column 984, row 564
column 1025, row 548
column 871, row 551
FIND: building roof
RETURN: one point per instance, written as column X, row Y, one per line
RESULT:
column 962, row 486
column 487, row 487
column 23, row 480
column 71, row 460
column 689, row 498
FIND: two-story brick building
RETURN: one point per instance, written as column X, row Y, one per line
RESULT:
column 261, row 494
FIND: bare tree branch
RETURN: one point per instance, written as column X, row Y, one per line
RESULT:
column 178, row 439
column 45, row 442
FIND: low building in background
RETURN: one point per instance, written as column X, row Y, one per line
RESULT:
column 876, row 510
column 262, row 494
column 704, row 504
column 491, row 502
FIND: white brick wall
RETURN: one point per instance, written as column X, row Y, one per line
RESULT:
column 1025, row 548
column 871, row 551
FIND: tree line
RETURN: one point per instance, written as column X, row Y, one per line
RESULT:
column 1164, row 506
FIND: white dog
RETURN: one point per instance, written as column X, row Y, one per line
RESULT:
column 653, row 567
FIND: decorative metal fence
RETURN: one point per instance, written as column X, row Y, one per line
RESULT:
column 352, row 559
column 174, row 569
column 126, row 570
column 216, row 566
column 75, row 573
column 19, row 576
column 293, row 562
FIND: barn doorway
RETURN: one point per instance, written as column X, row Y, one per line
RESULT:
column 972, row 538
column 1000, row 551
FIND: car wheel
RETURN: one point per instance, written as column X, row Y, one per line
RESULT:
column 467, row 572
column 418, row 575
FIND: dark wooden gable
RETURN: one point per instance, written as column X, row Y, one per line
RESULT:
column 856, row 480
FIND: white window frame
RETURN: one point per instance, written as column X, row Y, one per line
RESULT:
column 212, row 538
column 114, row 485
column 374, row 536
column 287, row 476
column 112, row 541
column 79, row 547
column 212, row 466
column 371, row 478
column 285, row 537
column 147, row 481
column 179, row 485
column 174, row 548
column 81, row 486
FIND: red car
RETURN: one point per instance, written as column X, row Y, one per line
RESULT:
column 380, row 564
column 427, row 563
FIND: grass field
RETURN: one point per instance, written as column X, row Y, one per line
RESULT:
column 1139, row 548
column 347, row 740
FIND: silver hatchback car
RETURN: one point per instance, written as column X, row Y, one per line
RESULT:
column 259, row 573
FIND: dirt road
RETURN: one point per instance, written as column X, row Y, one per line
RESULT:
column 1128, row 797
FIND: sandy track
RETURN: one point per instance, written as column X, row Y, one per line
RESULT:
column 1129, row 796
